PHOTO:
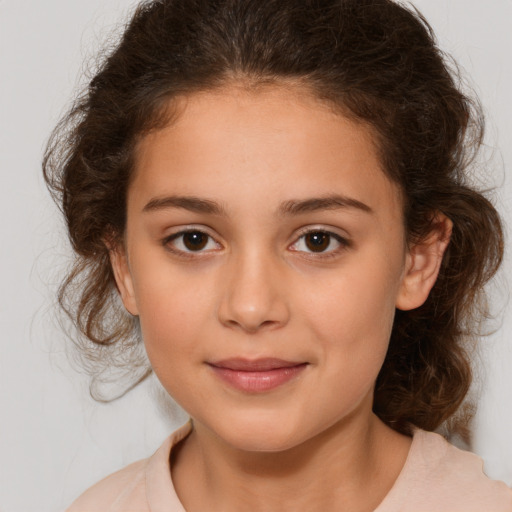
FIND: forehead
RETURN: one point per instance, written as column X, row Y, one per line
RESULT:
column 279, row 142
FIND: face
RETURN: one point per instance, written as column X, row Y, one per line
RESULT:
column 265, row 255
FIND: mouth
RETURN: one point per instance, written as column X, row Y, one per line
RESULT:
column 258, row 375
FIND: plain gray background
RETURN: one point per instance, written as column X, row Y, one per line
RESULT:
column 54, row 439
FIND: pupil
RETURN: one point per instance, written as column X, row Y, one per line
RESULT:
column 317, row 242
column 195, row 240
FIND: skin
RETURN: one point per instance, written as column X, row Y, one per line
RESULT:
column 256, row 290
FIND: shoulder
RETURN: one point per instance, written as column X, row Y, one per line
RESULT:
column 438, row 476
column 142, row 486
column 126, row 484
column 453, row 465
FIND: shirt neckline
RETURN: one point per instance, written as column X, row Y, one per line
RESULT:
column 161, row 494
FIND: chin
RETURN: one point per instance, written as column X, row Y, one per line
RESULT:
column 263, row 433
column 263, row 442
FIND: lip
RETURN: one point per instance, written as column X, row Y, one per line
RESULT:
column 258, row 375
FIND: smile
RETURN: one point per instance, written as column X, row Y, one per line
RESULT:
column 258, row 375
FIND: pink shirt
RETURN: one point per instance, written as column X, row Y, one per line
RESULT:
column 436, row 477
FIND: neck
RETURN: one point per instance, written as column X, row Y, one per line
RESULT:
column 330, row 471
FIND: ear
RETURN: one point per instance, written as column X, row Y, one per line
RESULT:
column 422, row 265
column 123, row 277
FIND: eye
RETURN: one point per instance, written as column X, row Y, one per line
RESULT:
column 191, row 241
column 319, row 241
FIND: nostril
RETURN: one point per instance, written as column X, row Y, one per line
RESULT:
column 254, row 320
column 254, row 326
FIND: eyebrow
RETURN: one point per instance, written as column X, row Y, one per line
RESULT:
column 332, row 202
column 190, row 203
column 291, row 207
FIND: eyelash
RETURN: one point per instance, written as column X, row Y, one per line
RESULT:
column 343, row 243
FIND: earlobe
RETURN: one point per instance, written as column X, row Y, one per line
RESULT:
column 423, row 262
column 122, row 275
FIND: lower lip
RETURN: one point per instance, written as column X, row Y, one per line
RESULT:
column 257, row 382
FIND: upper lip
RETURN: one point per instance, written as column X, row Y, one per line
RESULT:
column 254, row 365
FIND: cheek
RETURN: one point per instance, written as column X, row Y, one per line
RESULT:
column 173, row 312
column 353, row 316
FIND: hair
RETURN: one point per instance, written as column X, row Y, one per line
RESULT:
column 378, row 62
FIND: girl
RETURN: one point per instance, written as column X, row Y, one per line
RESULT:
column 277, row 192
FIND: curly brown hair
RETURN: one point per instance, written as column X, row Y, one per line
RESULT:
column 377, row 61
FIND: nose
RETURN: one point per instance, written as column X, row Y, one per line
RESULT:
column 253, row 294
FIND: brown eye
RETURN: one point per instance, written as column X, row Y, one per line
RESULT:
column 317, row 241
column 324, row 243
column 195, row 240
column 190, row 242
